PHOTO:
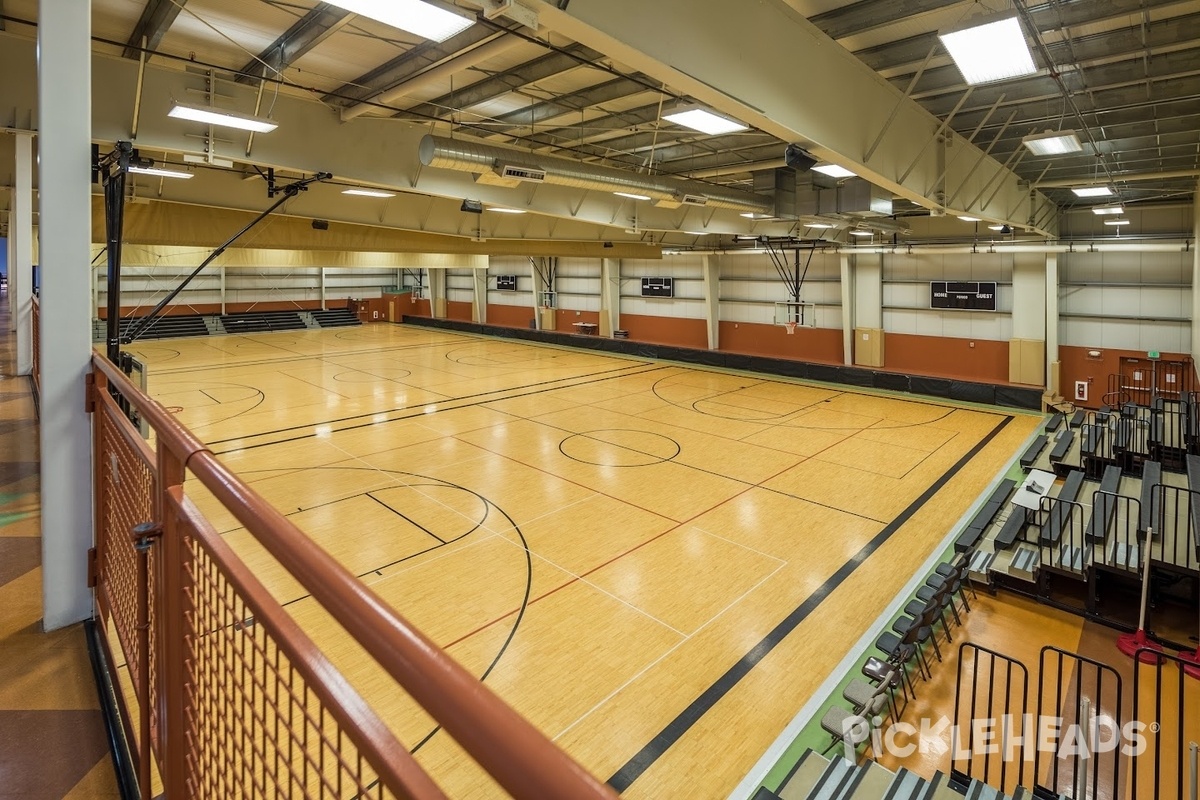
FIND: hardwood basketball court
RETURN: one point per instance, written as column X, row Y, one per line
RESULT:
column 656, row 564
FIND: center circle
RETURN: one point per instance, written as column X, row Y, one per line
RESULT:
column 616, row 447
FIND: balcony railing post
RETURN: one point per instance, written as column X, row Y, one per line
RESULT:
column 144, row 536
column 172, row 664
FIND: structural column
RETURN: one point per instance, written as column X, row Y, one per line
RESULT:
column 712, row 300
column 848, row 316
column 868, row 310
column 437, row 293
column 65, row 219
column 610, row 296
column 20, row 265
column 479, row 280
column 1196, row 275
column 1052, row 363
column 1026, row 347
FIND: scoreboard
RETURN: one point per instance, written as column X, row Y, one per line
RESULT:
column 506, row 283
column 963, row 296
column 658, row 287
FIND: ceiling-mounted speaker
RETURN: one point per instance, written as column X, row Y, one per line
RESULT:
column 798, row 158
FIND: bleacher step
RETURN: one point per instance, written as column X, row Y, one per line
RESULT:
column 1025, row 563
column 804, row 777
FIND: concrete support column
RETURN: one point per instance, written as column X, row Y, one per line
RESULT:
column 1196, row 275
column 847, row 264
column 543, row 319
column 321, row 281
column 712, row 300
column 610, row 296
column 479, row 281
column 65, row 220
column 1026, row 347
column 20, row 265
column 1052, row 362
column 221, row 272
column 868, row 310
column 437, row 293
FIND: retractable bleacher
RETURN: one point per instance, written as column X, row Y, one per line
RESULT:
column 1104, row 508
column 984, row 517
column 1151, row 477
column 1061, row 512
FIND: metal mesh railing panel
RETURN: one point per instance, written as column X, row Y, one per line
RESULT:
column 255, row 727
column 125, row 491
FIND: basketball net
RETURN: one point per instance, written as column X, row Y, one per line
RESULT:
column 791, row 327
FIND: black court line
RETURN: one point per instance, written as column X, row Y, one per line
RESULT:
column 674, row 731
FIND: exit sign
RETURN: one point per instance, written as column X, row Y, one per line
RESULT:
column 1152, row 354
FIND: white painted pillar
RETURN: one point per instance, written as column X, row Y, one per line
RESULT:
column 9, row 244
column 848, row 316
column 20, row 266
column 868, row 310
column 321, row 273
column 712, row 300
column 65, row 220
column 437, row 293
column 479, row 281
column 1195, row 274
column 1052, row 362
column 539, row 286
column 610, row 296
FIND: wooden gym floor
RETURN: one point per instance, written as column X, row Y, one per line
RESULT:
column 656, row 564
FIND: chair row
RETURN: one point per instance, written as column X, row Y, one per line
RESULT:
column 907, row 643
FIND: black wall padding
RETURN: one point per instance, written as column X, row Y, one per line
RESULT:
column 891, row 380
column 937, row 387
column 856, row 377
column 1015, row 397
column 973, row 392
column 1019, row 397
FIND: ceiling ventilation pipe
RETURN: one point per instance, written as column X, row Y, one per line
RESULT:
column 465, row 156
column 999, row 249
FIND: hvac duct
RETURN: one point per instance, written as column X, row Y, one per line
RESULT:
column 473, row 157
column 964, row 249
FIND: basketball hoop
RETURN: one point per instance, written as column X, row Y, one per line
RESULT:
column 791, row 327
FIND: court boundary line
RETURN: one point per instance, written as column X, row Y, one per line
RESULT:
column 645, row 758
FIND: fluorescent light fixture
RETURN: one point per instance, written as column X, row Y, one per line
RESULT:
column 862, row 233
column 1093, row 191
column 989, row 48
column 752, row 215
column 703, row 120
column 368, row 193
column 996, row 227
column 697, row 233
column 162, row 173
column 1052, row 143
column 965, row 218
column 428, row 20
column 632, row 196
column 818, row 225
column 1105, row 211
column 1116, row 222
column 834, row 171
column 507, row 210
column 217, row 116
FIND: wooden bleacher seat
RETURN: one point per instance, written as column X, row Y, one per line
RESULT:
column 1077, row 418
column 1092, row 436
column 1151, row 477
column 1054, row 423
column 1032, row 452
column 971, row 534
column 1012, row 530
column 1061, row 445
column 1061, row 512
column 1104, row 508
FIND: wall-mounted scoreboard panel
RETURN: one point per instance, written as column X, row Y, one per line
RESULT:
column 962, row 295
column 658, row 287
column 506, row 283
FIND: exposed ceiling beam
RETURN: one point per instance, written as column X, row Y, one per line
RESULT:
column 608, row 91
column 307, row 32
column 157, row 18
column 867, row 15
column 508, row 81
column 1130, row 178
column 407, row 65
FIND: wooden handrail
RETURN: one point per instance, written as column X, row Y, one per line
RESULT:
column 515, row 753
